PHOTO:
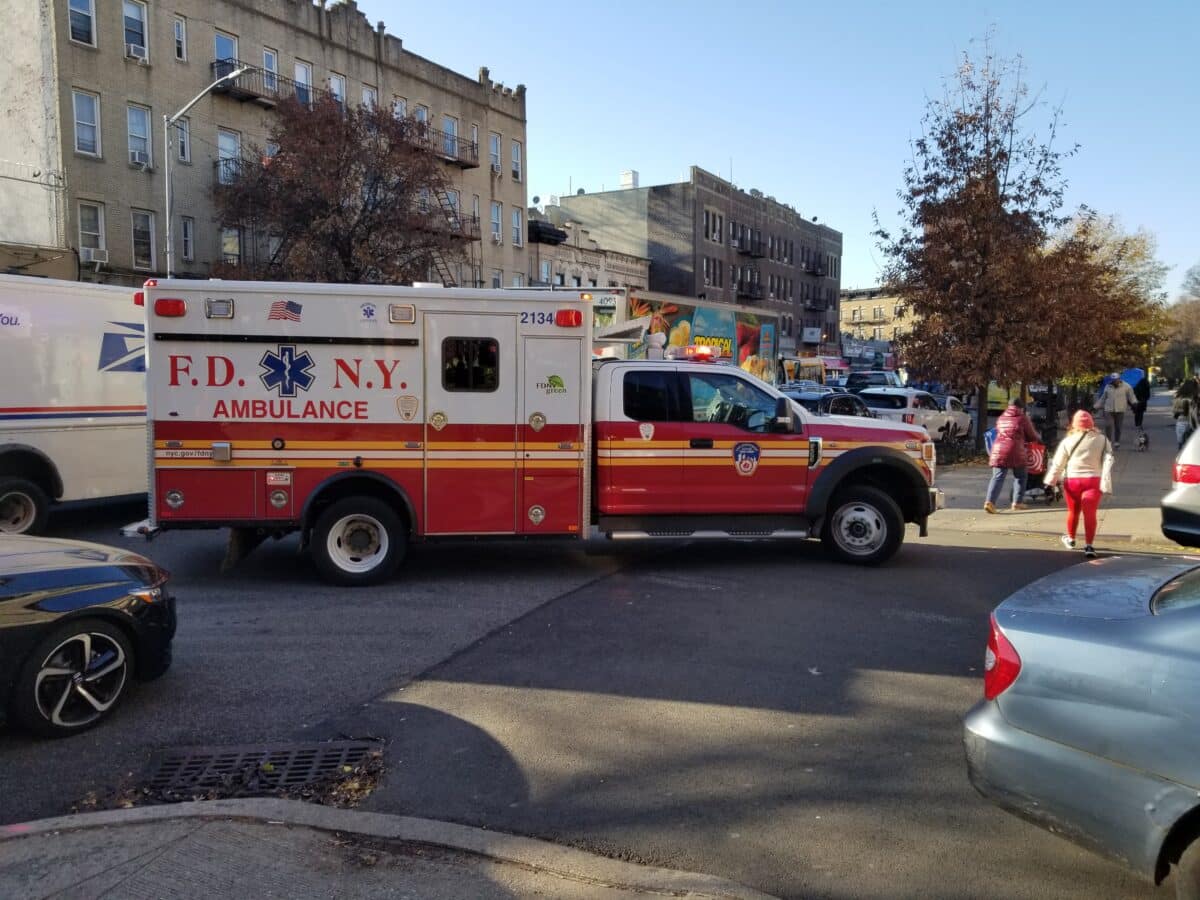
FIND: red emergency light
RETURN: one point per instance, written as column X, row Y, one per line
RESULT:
column 702, row 353
column 568, row 318
column 139, row 297
column 170, row 307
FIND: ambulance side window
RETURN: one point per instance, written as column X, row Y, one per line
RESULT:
column 470, row 364
column 648, row 396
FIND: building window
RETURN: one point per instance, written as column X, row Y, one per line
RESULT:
column 517, row 228
column 518, row 280
column 187, row 238
column 399, row 107
column 544, row 271
column 591, row 282
column 183, row 140
column 516, row 160
column 475, row 209
column 87, row 123
column 83, row 21
column 898, row 310
column 496, row 214
column 231, row 246
column 497, row 277
column 303, row 74
column 421, row 114
column 91, row 226
column 878, row 312
column 229, row 155
column 707, row 278
column 143, row 239
column 576, row 281
column 270, row 69
column 337, row 89
column 450, row 136
column 494, row 150
column 879, row 334
column 138, row 119
column 370, row 97
column 180, row 38
column 135, row 28
column 560, row 279
column 475, row 138
column 225, row 46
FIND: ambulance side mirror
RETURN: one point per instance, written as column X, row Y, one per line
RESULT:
column 783, row 422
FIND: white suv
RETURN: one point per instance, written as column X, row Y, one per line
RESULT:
column 912, row 407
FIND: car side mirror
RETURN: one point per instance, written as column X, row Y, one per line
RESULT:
column 783, row 423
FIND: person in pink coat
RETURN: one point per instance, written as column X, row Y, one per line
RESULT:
column 1013, row 430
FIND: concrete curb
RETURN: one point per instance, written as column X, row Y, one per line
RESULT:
column 531, row 853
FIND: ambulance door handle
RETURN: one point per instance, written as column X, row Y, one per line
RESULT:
column 701, row 443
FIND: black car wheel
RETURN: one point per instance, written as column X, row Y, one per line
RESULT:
column 864, row 525
column 74, row 678
column 24, row 507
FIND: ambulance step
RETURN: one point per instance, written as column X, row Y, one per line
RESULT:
column 706, row 535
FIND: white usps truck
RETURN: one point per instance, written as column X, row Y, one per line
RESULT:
column 72, row 397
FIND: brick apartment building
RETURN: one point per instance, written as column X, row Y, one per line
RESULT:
column 706, row 237
column 87, row 82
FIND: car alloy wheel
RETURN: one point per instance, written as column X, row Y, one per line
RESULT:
column 80, row 680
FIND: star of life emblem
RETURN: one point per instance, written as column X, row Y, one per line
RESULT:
column 286, row 370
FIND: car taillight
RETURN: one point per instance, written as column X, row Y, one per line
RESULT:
column 1001, row 663
column 1185, row 473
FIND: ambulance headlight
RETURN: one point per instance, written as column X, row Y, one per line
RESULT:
column 173, row 498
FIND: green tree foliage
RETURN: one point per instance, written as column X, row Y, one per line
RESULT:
column 345, row 195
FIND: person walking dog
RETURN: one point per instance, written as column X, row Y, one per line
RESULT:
column 1013, row 430
column 1141, row 391
column 1118, row 398
column 1083, row 465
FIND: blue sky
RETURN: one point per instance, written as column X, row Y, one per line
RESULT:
column 815, row 103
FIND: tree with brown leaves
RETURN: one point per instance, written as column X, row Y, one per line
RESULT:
column 341, row 195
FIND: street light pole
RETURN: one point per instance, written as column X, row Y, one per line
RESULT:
column 169, row 122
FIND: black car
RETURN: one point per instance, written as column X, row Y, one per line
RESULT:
column 832, row 403
column 78, row 622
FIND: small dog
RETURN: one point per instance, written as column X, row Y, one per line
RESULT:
column 1143, row 441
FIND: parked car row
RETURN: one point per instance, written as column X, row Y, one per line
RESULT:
column 943, row 417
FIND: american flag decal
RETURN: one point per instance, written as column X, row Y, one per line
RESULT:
column 287, row 310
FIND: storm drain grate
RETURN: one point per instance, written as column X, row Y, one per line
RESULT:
column 263, row 768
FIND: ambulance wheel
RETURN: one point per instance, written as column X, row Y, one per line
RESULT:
column 358, row 541
column 24, row 507
column 864, row 526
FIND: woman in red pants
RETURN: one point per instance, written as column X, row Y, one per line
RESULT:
column 1083, row 464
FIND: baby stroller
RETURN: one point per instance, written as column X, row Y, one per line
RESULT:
column 1036, row 454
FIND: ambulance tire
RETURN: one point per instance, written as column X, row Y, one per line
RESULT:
column 358, row 541
column 863, row 526
column 24, row 507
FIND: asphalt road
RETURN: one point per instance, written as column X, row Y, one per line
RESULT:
column 747, row 710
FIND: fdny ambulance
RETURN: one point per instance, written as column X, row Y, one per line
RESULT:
column 371, row 417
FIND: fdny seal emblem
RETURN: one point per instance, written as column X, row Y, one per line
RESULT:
column 745, row 458
column 646, row 430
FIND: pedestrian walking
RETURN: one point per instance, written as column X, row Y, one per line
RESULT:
column 1083, row 465
column 1013, row 430
column 1186, row 410
column 1141, row 391
column 1116, row 400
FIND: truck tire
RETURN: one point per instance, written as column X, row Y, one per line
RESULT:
column 24, row 507
column 863, row 525
column 358, row 541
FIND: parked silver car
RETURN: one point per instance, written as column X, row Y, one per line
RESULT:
column 1090, row 723
column 1181, row 507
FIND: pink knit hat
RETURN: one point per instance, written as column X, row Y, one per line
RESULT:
column 1083, row 421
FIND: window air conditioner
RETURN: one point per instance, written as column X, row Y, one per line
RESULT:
column 495, row 168
column 93, row 255
column 136, row 51
column 496, row 238
column 139, row 158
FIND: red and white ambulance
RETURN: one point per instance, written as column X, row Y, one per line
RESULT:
column 370, row 417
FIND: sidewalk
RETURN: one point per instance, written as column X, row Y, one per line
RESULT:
column 288, row 849
column 1130, row 515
